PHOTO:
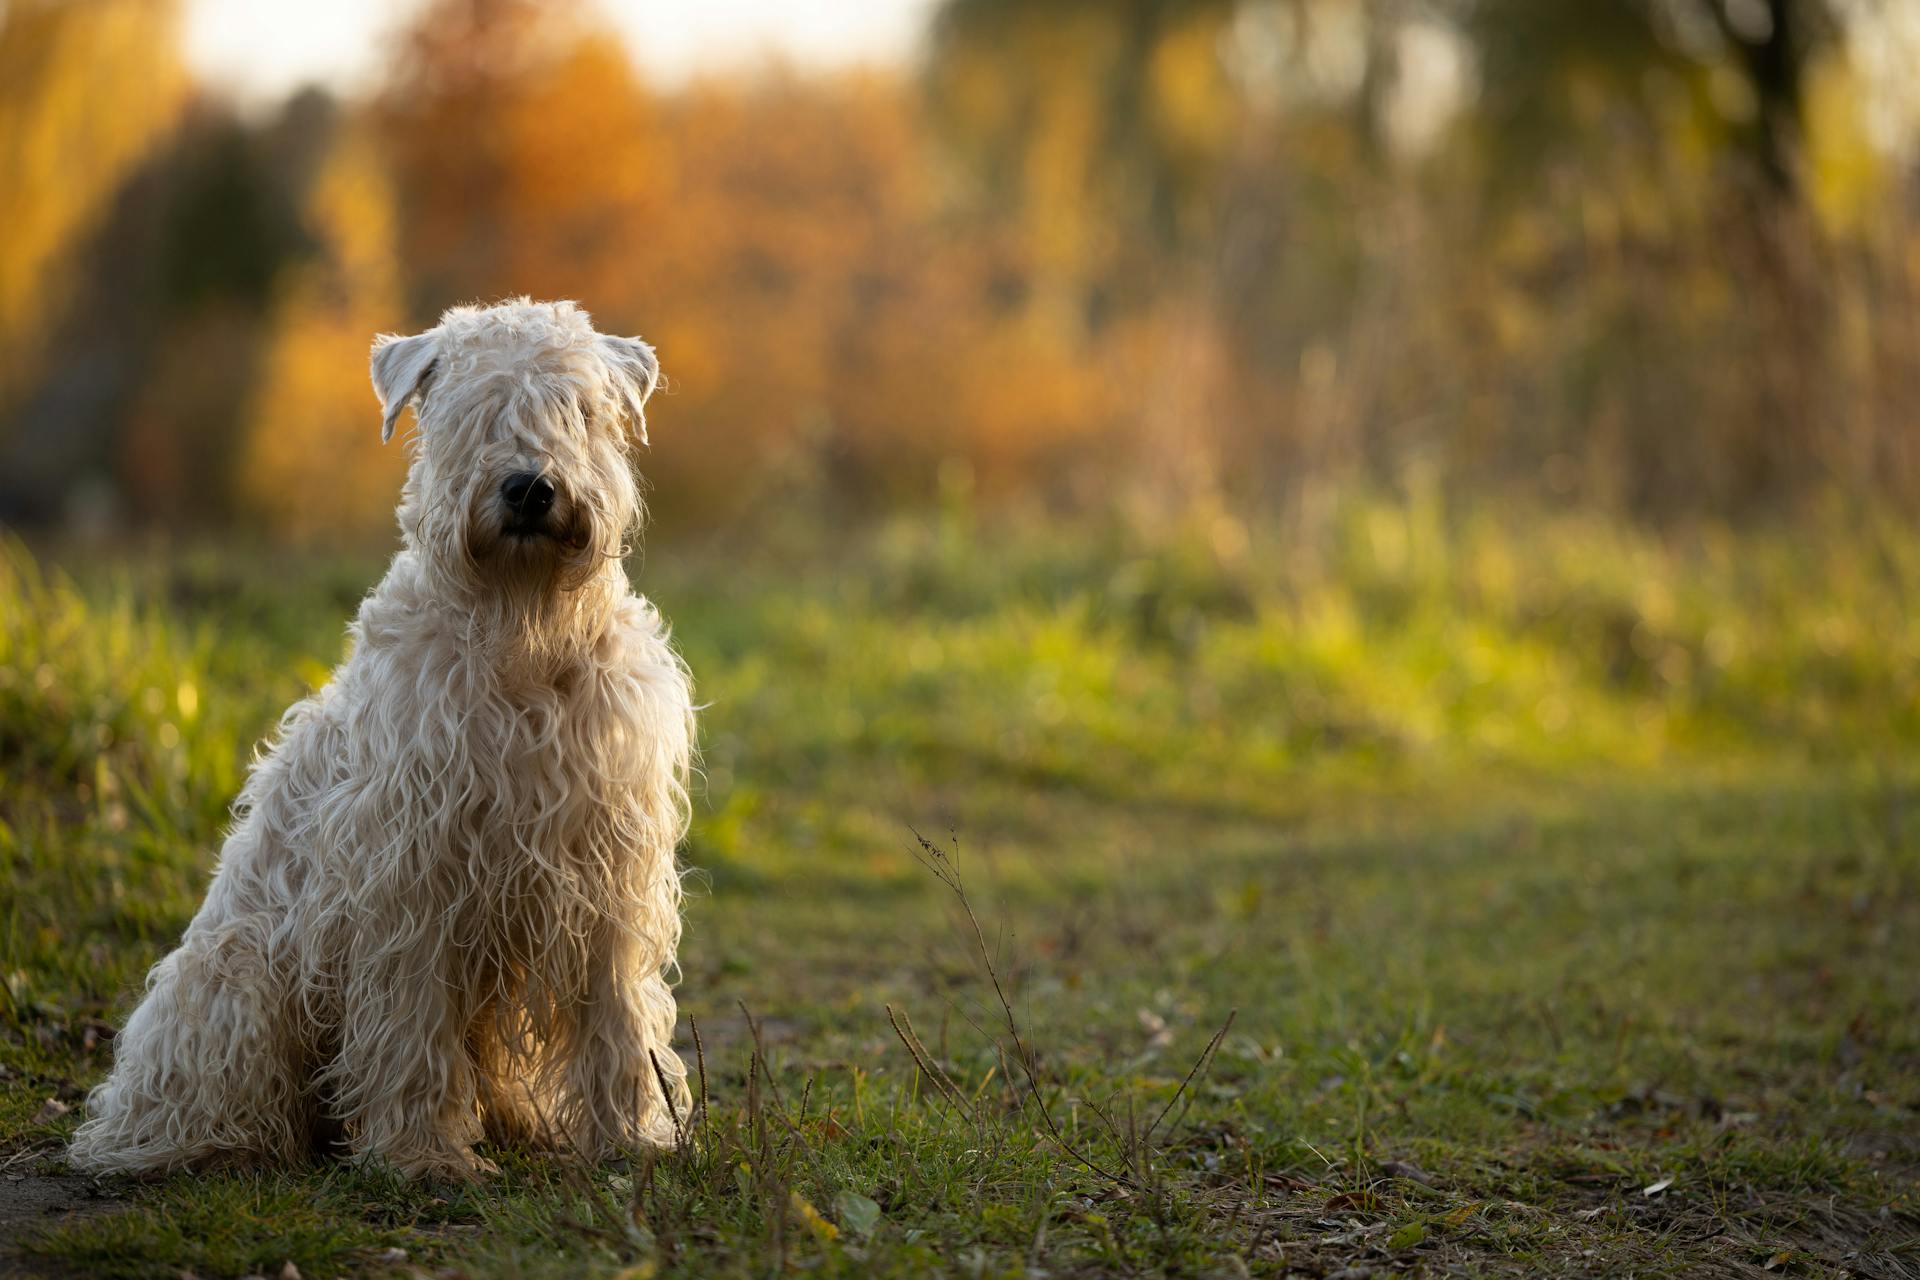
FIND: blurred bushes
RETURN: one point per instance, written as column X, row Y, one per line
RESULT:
column 1208, row 662
column 1647, row 256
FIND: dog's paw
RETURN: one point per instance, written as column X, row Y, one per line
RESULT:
column 459, row 1165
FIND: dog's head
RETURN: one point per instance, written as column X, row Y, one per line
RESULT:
column 521, row 472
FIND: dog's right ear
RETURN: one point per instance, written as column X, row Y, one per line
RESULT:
column 402, row 367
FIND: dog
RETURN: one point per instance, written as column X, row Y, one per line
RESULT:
column 449, row 902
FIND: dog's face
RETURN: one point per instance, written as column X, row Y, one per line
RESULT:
column 521, row 472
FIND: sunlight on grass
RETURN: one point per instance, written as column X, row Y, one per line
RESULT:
column 1546, row 859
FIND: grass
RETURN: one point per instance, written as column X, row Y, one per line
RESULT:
column 1561, row 883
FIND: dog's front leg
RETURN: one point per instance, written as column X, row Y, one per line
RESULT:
column 625, row 1070
column 403, row 1083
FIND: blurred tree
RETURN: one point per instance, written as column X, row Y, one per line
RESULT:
column 1643, row 252
column 1101, row 124
column 197, row 257
column 311, row 412
column 86, row 89
column 227, row 230
column 777, row 239
column 521, row 143
column 1675, row 236
column 1651, row 300
column 1741, row 66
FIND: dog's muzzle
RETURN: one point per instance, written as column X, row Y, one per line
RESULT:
column 529, row 502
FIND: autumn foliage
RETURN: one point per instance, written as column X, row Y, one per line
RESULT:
column 1216, row 252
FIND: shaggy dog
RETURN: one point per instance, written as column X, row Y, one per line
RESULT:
column 449, row 900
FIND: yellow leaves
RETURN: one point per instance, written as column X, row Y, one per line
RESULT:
column 311, row 412
column 85, row 91
column 1846, row 171
column 810, row 1217
column 350, row 211
column 1195, row 108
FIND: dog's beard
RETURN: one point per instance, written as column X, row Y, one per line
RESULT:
column 532, row 592
column 555, row 559
column 539, row 593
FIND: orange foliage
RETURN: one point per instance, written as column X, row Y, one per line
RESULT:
column 781, row 242
column 85, row 91
column 1160, row 246
column 311, row 414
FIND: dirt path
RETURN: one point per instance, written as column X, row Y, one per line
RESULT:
column 31, row 1201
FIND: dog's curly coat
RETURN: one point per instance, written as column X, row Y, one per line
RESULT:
column 449, row 898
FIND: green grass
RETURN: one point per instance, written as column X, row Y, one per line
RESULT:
column 1543, row 862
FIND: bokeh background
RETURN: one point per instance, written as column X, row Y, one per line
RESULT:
column 1393, row 516
column 1658, row 259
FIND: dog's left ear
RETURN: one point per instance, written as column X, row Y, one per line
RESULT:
column 636, row 372
column 402, row 367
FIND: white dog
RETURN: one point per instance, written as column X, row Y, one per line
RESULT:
column 449, row 899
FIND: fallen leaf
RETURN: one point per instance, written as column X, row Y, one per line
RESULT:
column 811, row 1217
column 1778, row 1260
column 1655, row 1188
column 857, row 1213
column 1363, row 1200
column 50, row 1110
column 1408, row 1236
column 1287, row 1182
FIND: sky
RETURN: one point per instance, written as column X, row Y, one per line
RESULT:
column 259, row 50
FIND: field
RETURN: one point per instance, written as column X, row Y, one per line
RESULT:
column 1434, row 894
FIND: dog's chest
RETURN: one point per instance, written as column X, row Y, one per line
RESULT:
column 554, row 763
column 553, row 792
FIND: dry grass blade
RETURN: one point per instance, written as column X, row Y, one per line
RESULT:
column 1199, row 1065
column 666, row 1095
column 945, row 1087
column 700, row 1061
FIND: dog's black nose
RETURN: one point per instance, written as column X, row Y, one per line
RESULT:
column 530, row 496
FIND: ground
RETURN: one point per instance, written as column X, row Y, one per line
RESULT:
column 1550, row 905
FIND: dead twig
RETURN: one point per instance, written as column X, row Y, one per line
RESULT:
column 947, row 871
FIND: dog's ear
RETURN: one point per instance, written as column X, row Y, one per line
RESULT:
column 402, row 367
column 636, row 372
